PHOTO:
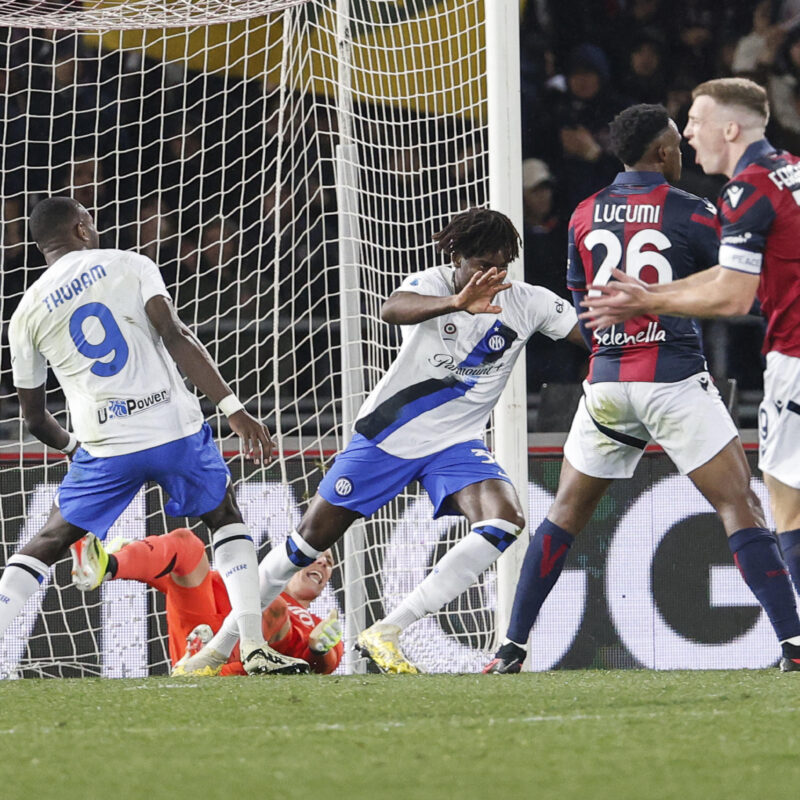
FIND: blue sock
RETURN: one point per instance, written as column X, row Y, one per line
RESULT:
column 543, row 563
column 790, row 546
column 755, row 551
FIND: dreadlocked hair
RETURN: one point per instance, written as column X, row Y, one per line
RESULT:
column 477, row 232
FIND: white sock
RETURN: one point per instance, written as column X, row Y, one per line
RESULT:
column 455, row 573
column 281, row 563
column 235, row 560
column 20, row 580
column 224, row 640
column 516, row 644
column 795, row 640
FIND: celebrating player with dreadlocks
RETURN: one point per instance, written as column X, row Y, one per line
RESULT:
column 425, row 421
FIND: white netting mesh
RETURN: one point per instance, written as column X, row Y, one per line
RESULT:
column 215, row 150
column 132, row 14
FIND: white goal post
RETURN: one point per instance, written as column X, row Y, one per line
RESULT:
column 286, row 164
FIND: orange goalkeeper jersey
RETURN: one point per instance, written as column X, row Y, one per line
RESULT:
column 208, row 604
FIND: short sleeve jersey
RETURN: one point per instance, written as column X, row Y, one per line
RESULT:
column 759, row 212
column 451, row 369
column 647, row 228
column 86, row 317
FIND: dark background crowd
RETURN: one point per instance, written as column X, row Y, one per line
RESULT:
column 582, row 63
column 182, row 167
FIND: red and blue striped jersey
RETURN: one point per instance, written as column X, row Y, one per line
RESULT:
column 759, row 212
column 657, row 233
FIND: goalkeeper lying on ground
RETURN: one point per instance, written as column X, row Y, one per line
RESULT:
column 176, row 564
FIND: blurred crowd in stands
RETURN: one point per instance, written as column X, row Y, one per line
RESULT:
column 118, row 126
column 584, row 62
column 177, row 165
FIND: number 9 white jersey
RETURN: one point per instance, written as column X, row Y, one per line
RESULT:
column 86, row 317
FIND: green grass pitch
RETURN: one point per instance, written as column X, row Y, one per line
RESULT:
column 562, row 735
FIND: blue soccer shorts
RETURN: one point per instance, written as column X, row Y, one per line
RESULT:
column 96, row 490
column 363, row 477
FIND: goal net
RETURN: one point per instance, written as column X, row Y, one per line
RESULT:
column 285, row 164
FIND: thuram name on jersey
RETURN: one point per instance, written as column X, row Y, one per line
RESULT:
column 74, row 287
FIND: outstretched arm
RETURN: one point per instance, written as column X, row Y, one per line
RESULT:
column 695, row 279
column 197, row 365
column 726, row 293
column 409, row 308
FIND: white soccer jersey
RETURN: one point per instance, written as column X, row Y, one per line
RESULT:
column 86, row 317
column 451, row 369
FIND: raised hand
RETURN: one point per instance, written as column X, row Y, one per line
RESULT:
column 477, row 296
column 612, row 303
column 326, row 635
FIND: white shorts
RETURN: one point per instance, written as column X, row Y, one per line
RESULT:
column 779, row 420
column 616, row 421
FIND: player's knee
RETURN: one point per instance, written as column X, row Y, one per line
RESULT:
column 190, row 551
column 756, row 509
column 501, row 533
column 518, row 521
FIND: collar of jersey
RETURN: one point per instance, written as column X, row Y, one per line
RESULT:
column 640, row 178
column 753, row 152
column 449, row 275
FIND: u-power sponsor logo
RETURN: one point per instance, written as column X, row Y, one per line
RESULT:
column 127, row 407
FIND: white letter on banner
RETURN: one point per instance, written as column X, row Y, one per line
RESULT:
column 124, row 605
column 15, row 640
column 411, row 546
column 629, row 591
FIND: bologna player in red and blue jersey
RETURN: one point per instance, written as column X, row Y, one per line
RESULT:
column 648, row 381
column 760, row 216
column 648, row 228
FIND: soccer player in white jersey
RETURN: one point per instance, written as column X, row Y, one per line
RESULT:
column 104, row 321
column 425, row 421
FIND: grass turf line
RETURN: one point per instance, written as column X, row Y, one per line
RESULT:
column 569, row 734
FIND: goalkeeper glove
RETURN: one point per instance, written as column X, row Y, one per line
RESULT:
column 326, row 635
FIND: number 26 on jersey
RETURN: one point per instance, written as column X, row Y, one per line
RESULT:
column 636, row 257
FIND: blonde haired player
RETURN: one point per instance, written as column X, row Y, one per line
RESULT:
column 759, row 214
